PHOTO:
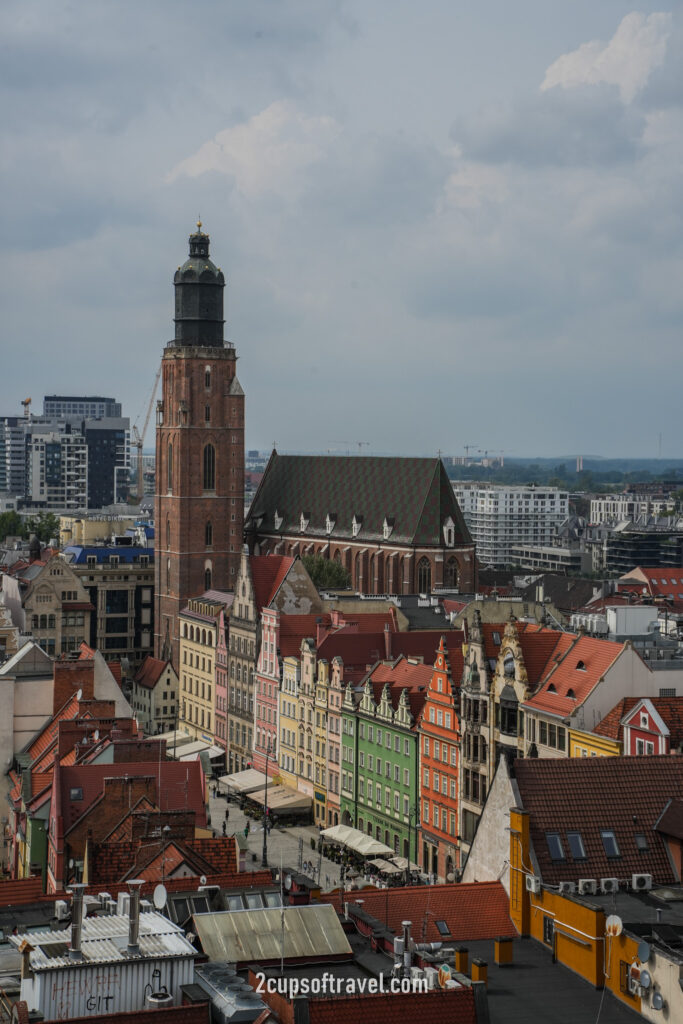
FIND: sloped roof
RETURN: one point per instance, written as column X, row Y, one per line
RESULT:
column 293, row 629
column 415, row 493
column 584, row 661
column 670, row 709
column 610, row 726
column 268, row 573
column 472, row 910
column 589, row 794
column 50, row 731
column 150, row 672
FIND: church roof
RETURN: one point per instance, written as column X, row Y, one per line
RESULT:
column 414, row 497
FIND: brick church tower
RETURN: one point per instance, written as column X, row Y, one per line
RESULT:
column 199, row 505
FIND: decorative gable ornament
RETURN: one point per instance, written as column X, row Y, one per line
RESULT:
column 330, row 522
column 356, row 524
column 303, row 522
column 388, row 526
column 277, row 519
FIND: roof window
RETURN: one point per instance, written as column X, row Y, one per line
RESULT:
column 581, row 666
column 641, row 842
column 554, row 841
column 444, row 930
column 609, row 841
column 576, row 846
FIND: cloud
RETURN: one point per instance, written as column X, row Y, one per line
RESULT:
column 268, row 153
column 637, row 47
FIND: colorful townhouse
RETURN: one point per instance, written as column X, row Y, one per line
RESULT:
column 439, row 764
column 380, row 759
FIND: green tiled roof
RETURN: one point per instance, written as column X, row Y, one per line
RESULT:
column 415, row 493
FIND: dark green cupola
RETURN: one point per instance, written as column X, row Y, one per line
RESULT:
column 199, row 288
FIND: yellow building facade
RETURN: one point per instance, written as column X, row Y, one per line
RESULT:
column 198, row 626
column 588, row 744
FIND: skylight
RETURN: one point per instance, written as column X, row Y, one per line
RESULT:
column 576, row 846
column 555, row 847
column 609, row 841
column 443, row 928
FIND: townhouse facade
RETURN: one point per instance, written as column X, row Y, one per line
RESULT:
column 198, row 627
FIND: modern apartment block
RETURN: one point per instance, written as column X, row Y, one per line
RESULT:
column 80, row 407
column 610, row 507
column 502, row 517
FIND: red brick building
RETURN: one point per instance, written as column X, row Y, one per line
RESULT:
column 199, row 507
column 439, row 754
column 393, row 523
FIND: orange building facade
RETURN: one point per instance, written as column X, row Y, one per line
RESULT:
column 439, row 756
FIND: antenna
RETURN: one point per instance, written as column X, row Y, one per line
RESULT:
column 79, row 696
column 160, row 896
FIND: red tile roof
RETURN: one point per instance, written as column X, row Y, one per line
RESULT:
column 150, row 672
column 576, row 667
column 14, row 891
column 472, row 911
column 670, row 710
column 589, row 794
column 293, row 629
column 268, row 573
column 610, row 725
column 48, row 734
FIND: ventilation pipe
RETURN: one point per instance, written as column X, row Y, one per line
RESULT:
column 134, row 915
column 77, row 888
column 407, row 954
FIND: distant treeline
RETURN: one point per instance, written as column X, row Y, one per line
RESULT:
column 597, row 474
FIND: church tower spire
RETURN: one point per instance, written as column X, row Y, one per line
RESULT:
column 199, row 505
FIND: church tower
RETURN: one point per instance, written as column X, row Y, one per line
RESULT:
column 199, row 505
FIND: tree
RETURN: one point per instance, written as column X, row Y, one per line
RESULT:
column 45, row 526
column 325, row 573
column 12, row 525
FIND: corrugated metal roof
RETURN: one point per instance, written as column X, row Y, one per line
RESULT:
column 105, row 940
column 241, row 935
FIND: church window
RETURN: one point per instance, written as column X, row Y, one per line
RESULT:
column 207, row 413
column 451, row 574
column 168, row 534
column 208, row 534
column 209, row 468
column 207, row 579
column 169, row 467
column 424, row 576
column 207, row 377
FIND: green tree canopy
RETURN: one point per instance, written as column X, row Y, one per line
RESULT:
column 326, row 574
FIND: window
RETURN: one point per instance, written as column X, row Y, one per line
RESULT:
column 641, row 842
column 548, row 929
column 169, row 467
column 425, row 745
column 555, row 845
column 576, row 846
column 208, row 534
column 209, row 468
column 609, row 841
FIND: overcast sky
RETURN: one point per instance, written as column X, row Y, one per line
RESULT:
column 441, row 223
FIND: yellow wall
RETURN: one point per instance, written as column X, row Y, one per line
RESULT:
column 588, row 744
column 75, row 530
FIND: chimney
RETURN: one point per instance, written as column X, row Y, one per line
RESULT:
column 387, row 641
column 77, row 888
column 134, row 914
column 407, row 953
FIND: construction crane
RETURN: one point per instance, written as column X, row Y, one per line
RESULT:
column 139, row 438
column 468, row 448
column 27, row 407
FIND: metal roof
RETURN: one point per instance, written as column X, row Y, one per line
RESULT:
column 237, row 936
column 105, row 940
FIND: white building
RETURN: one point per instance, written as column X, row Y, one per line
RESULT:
column 502, row 517
column 612, row 507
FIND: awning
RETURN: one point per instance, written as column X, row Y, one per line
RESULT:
column 256, row 936
column 385, row 866
column 402, row 863
column 354, row 839
column 243, row 782
column 281, row 799
column 187, row 754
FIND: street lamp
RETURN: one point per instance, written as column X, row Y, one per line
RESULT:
column 414, row 813
column 264, row 859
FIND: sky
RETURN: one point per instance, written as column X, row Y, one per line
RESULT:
column 441, row 224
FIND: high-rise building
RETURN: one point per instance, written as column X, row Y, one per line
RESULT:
column 80, row 407
column 502, row 517
column 199, row 506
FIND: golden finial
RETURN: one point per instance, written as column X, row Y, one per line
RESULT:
column 199, row 224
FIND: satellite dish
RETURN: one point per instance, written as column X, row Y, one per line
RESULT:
column 96, row 735
column 160, row 896
column 645, row 979
column 202, row 879
column 79, row 695
column 657, row 1001
column 614, row 926
column 288, row 882
column 644, row 952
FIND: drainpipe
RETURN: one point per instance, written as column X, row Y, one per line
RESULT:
column 134, row 915
column 77, row 888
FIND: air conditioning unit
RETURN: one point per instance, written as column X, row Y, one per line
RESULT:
column 533, row 883
column 62, row 910
column 123, row 904
column 567, row 887
column 609, row 885
column 104, row 898
column 588, row 886
column 641, row 882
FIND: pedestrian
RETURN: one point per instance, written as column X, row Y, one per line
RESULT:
column 246, row 830
column 224, row 828
column 227, row 813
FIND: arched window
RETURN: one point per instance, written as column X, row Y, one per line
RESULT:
column 239, row 673
column 209, row 468
column 203, row 636
column 185, row 630
column 451, row 573
column 207, row 377
column 168, row 533
column 207, row 579
column 168, row 573
column 169, row 467
column 424, row 576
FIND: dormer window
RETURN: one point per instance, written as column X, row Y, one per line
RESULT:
column 278, row 519
column 303, row 522
column 388, row 527
column 356, row 525
column 330, row 522
column 580, row 666
column 449, row 533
